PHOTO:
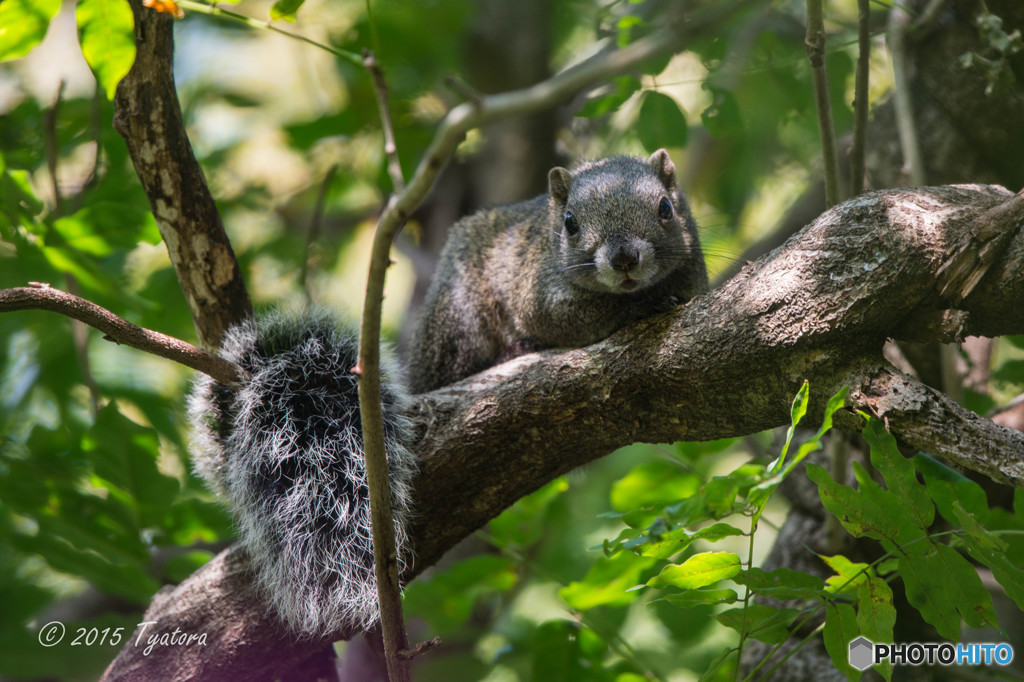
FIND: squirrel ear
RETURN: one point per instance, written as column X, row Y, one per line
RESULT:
column 661, row 164
column 559, row 181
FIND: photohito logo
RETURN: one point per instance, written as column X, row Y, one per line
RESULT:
column 864, row 653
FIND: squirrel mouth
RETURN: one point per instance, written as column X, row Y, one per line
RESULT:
column 628, row 284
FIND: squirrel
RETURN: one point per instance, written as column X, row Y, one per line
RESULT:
column 613, row 241
column 286, row 451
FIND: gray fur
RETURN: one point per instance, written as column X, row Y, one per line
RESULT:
column 512, row 279
column 286, row 451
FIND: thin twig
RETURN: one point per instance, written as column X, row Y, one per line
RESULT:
column 380, row 87
column 203, row 8
column 999, row 409
column 389, row 591
column 860, row 101
column 462, row 88
column 450, row 132
column 815, row 41
column 913, row 164
column 39, row 296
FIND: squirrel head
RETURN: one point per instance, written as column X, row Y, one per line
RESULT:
column 620, row 224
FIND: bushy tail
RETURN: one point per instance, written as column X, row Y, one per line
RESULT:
column 286, row 451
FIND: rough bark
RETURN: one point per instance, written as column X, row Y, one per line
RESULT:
column 819, row 308
column 149, row 118
column 728, row 363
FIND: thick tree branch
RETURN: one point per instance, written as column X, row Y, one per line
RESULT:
column 149, row 118
column 42, row 297
column 728, row 363
column 928, row 420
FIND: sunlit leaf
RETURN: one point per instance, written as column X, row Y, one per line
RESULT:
column 698, row 571
column 23, row 24
column 105, row 32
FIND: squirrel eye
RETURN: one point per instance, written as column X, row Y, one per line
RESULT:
column 571, row 226
column 665, row 210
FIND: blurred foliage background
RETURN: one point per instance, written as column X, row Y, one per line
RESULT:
column 98, row 507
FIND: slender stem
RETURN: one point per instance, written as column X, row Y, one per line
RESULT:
column 203, row 8
column 747, row 594
column 380, row 87
column 450, row 132
column 815, row 42
column 43, row 297
column 860, row 102
column 368, row 371
column 389, row 591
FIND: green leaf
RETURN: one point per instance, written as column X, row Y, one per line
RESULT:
column 661, row 122
column 285, row 9
column 796, row 413
column 23, row 25
column 722, row 118
column 699, row 597
column 876, row 615
column 608, row 101
column 888, row 516
column 944, row 588
column 607, row 582
column 698, row 571
column 554, row 650
column 446, row 599
column 667, row 544
column 965, row 590
column 848, row 575
column 659, row 482
column 1008, row 575
column 123, row 579
column 764, row 623
column 947, row 487
column 840, row 630
column 782, row 583
column 868, row 511
column 720, row 494
column 899, row 474
column 125, row 455
column 105, row 32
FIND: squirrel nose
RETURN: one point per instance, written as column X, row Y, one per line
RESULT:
column 624, row 261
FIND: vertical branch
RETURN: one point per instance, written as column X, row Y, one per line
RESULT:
column 385, row 554
column 860, row 105
column 450, row 132
column 815, row 41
